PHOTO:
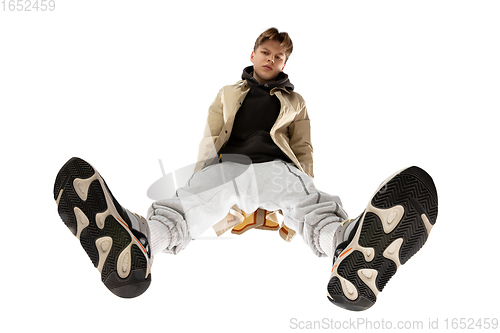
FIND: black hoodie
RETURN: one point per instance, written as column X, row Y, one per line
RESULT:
column 250, row 135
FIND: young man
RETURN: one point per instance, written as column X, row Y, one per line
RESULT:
column 256, row 154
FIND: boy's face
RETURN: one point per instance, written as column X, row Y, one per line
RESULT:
column 268, row 61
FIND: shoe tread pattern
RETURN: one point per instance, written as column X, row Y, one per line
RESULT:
column 130, row 286
column 413, row 189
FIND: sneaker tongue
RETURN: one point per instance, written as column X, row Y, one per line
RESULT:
column 351, row 230
column 142, row 234
column 346, row 236
column 133, row 220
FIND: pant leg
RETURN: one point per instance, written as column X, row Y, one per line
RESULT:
column 204, row 201
column 305, row 209
column 273, row 186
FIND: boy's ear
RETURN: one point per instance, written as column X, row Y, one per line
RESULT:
column 252, row 56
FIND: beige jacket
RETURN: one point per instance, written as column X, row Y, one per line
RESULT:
column 291, row 132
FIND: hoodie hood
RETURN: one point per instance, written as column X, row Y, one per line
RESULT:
column 281, row 81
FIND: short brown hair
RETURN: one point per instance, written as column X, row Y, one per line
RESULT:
column 274, row 34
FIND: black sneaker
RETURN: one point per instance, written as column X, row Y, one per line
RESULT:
column 370, row 248
column 115, row 239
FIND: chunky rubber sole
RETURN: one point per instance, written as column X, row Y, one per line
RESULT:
column 394, row 226
column 89, row 210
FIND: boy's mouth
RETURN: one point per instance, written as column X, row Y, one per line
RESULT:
column 268, row 67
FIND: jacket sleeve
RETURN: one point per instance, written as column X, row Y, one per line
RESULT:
column 300, row 138
column 215, row 122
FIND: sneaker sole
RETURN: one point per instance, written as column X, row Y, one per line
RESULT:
column 89, row 210
column 394, row 226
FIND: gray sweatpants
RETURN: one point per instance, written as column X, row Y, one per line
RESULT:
column 276, row 185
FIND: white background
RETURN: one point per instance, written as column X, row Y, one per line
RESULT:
column 388, row 84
